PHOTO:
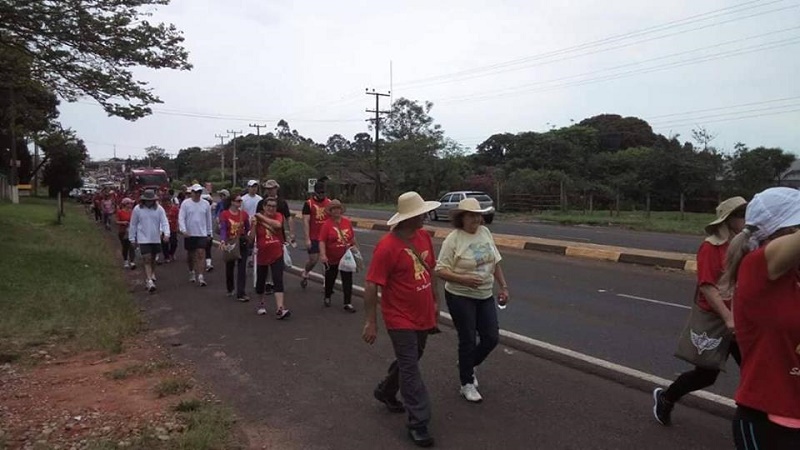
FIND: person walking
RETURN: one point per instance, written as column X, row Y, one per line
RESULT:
column 267, row 232
column 711, row 313
column 402, row 267
column 469, row 262
column 251, row 199
column 172, row 210
column 123, row 221
column 148, row 229
column 109, row 208
column 763, row 268
column 210, row 241
column 194, row 222
column 272, row 188
column 314, row 215
column 234, row 227
column 335, row 237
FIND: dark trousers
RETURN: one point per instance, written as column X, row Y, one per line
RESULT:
column 262, row 272
column 473, row 319
column 753, row 430
column 209, row 244
column 98, row 214
column 331, row 272
column 241, row 272
column 127, row 249
column 404, row 375
column 697, row 378
column 169, row 248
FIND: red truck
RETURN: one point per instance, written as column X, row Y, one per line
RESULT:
column 140, row 179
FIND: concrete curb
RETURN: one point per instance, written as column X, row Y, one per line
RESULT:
column 703, row 400
column 678, row 261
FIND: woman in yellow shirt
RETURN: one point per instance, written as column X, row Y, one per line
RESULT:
column 469, row 262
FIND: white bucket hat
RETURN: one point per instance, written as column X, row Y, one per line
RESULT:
column 770, row 211
column 471, row 205
column 410, row 205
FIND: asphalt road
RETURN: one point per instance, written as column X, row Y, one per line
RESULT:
column 306, row 382
column 626, row 314
column 585, row 234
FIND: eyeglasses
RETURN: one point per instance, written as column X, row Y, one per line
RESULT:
column 238, row 200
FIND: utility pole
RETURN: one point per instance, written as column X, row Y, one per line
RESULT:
column 377, row 120
column 222, row 152
column 12, row 125
column 35, row 166
column 234, row 133
column 258, row 150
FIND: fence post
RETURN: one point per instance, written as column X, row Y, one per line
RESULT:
column 683, row 200
column 591, row 203
column 617, row 205
column 647, row 213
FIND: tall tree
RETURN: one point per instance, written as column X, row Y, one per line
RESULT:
column 754, row 170
column 90, row 47
column 65, row 155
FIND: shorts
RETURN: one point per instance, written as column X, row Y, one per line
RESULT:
column 192, row 243
column 150, row 249
column 314, row 249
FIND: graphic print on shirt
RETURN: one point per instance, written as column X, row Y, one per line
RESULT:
column 342, row 236
column 483, row 255
column 235, row 227
column 319, row 213
column 420, row 272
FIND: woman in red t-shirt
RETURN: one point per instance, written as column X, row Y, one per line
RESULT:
column 267, row 231
column 234, row 226
column 123, row 220
column 764, row 266
column 710, row 267
column 172, row 210
column 335, row 237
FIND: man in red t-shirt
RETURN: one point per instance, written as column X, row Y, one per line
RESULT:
column 172, row 210
column 402, row 266
column 314, row 216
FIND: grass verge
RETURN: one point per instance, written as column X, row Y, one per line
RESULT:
column 661, row 221
column 172, row 386
column 60, row 282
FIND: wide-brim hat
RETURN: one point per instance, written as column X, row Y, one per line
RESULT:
column 148, row 195
column 468, row 205
column 271, row 184
column 410, row 205
column 334, row 204
column 724, row 210
column 126, row 201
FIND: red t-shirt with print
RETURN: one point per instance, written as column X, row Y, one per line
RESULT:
column 710, row 266
column 124, row 216
column 337, row 238
column 172, row 211
column 316, row 209
column 407, row 300
column 269, row 244
column 236, row 224
column 767, row 318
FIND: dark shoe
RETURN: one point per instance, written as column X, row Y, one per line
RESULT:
column 662, row 408
column 326, row 301
column 269, row 289
column 420, row 436
column 304, row 282
column 392, row 403
column 349, row 308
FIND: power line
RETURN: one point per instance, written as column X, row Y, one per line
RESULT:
column 492, row 69
column 723, row 115
column 777, row 100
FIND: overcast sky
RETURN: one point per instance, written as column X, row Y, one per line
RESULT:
column 488, row 66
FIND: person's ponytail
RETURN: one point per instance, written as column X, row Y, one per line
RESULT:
column 738, row 248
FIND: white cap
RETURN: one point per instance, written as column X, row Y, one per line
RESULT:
column 252, row 183
column 772, row 210
column 196, row 187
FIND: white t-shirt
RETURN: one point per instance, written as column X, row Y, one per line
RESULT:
column 194, row 218
column 249, row 203
column 465, row 253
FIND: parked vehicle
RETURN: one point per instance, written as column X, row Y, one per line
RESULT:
column 138, row 180
column 450, row 200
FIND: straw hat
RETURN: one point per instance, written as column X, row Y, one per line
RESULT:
column 718, row 235
column 471, row 205
column 271, row 184
column 334, row 204
column 410, row 205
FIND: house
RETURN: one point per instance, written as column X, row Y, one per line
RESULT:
column 791, row 178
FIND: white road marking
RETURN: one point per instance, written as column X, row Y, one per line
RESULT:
column 719, row 399
column 658, row 302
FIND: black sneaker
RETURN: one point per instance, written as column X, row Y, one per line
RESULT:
column 269, row 289
column 349, row 308
column 392, row 403
column 420, row 436
column 662, row 408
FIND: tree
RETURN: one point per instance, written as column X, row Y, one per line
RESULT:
column 292, row 175
column 362, row 144
column 411, row 120
column 89, row 47
column 703, row 137
column 338, row 143
column 754, row 170
column 65, row 155
column 618, row 133
column 493, row 151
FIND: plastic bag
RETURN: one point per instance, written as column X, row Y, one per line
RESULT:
column 348, row 262
column 287, row 257
column 359, row 259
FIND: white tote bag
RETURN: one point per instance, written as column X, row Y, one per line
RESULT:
column 348, row 262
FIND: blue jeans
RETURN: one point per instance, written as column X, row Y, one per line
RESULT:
column 473, row 319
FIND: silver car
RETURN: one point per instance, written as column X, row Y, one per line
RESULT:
column 450, row 201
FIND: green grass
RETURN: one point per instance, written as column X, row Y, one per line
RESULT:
column 661, row 221
column 189, row 405
column 172, row 386
column 59, row 283
column 138, row 370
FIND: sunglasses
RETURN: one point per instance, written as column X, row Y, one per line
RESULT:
column 238, row 200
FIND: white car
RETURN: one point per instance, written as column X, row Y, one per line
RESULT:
column 450, row 201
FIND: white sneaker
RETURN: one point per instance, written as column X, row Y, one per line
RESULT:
column 201, row 281
column 133, row 265
column 209, row 266
column 151, row 286
column 470, row 392
column 126, row 265
column 153, row 277
column 261, row 311
column 192, row 277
